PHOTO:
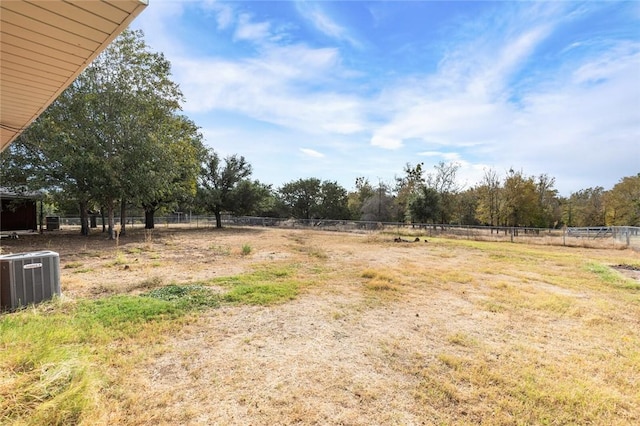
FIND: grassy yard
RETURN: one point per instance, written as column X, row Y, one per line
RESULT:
column 269, row 326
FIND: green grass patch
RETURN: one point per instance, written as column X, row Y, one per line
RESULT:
column 189, row 296
column 262, row 294
column 268, row 285
column 611, row 277
column 50, row 371
column 124, row 312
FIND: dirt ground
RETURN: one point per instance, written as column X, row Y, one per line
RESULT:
column 341, row 353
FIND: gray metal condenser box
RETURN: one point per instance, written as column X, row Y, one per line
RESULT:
column 27, row 278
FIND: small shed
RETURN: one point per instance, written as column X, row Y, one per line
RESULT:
column 18, row 210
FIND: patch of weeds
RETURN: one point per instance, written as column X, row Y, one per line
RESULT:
column 82, row 270
column 246, row 249
column 53, row 355
column 338, row 315
column 186, row 296
column 220, row 250
column 72, row 265
column 268, row 285
column 452, row 361
column 456, row 276
column 553, row 303
column 612, row 277
column 128, row 312
column 317, row 253
column 262, row 294
column 120, row 259
column 369, row 273
column 381, row 285
column 270, row 272
column 134, row 250
column 462, row 339
column 379, row 281
column 151, row 282
column 493, row 306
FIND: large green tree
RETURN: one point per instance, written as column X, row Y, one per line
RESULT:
column 549, row 212
column 406, row 188
column 623, row 202
column 520, row 200
column 253, row 198
column 444, row 182
column 489, row 192
column 220, row 183
column 133, row 102
column 170, row 170
column 334, row 203
column 381, row 205
column 104, row 140
column 302, row 197
column 356, row 198
column 315, row 199
column 425, row 205
column 585, row 208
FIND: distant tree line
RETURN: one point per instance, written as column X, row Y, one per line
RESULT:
column 115, row 142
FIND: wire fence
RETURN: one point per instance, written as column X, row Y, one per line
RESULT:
column 610, row 236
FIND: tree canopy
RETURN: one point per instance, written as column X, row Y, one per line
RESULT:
column 220, row 184
column 114, row 135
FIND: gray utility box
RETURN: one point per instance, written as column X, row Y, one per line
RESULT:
column 27, row 278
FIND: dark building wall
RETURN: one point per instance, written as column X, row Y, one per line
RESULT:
column 18, row 214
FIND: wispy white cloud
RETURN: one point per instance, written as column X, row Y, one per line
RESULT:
column 224, row 13
column 447, row 156
column 247, row 29
column 311, row 153
column 313, row 13
column 272, row 91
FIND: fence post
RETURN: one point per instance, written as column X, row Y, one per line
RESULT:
column 628, row 232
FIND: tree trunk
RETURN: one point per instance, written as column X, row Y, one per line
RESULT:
column 110, row 221
column 104, row 220
column 84, row 219
column 149, row 218
column 123, row 217
column 218, row 219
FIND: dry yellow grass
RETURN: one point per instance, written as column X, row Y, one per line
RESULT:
column 381, row 333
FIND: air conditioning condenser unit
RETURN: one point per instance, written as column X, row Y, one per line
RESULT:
column 27, row 278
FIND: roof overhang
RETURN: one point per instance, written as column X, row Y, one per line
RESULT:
column 45, row 45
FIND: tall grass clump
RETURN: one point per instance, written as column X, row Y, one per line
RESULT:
column 52, row 366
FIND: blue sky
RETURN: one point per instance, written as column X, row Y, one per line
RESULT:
column 337, row 90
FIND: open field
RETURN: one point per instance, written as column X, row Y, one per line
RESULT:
column 277, row 327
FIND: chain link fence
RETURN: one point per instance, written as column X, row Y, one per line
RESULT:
column 611, row 236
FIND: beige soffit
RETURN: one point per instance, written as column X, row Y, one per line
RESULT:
column 45, row 45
